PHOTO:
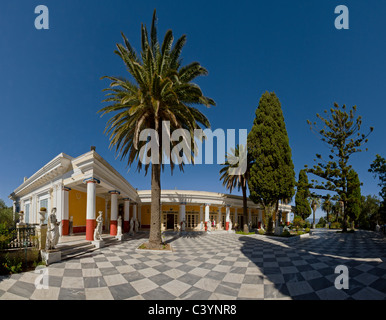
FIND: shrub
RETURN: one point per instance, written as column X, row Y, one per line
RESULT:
column 335, row 225
column 12, row 265
column 300, row 232
column 306, row 230
column 298, row 222
column 285, row 234
column 261, row 231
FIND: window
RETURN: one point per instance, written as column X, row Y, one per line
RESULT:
column 192, row 220
column 26, row 212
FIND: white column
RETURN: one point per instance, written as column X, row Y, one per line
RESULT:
column 134, row 212
column 65, row 207
column 114, row 212
column 90, row 207
column 182, row 211
column 260, row 218
column 249, row 215
column 126, row 215
column 227, row 216
column 206, row 213
column 201, row 217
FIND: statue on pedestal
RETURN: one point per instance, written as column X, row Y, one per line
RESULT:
column 42, row 213
column 119, row 226
column 136, row 226
column 98, row 229
column 52, row 230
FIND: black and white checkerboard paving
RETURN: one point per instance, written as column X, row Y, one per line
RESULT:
column 215, row 266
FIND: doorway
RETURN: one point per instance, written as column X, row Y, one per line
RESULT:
column 170, row 221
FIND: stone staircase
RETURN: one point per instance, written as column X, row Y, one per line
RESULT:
column 75, row 248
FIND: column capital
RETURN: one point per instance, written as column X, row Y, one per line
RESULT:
column 114, row 192
column 207, row 204
column 126, row 199
column 91, row 179
column 66, row 188
column 228, row 205
column 183, row 203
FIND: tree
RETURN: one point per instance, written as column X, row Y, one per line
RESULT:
column 354, row 196
column 162, row 90
column 315, row 204
column 327, row 206
column 378, row 168
column 341, row 133
column 239, row 161
column 369, row 215
column 302, row 205
column 272, row 175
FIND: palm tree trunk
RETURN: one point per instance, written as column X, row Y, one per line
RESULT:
column 155, row 239
column 245, row 211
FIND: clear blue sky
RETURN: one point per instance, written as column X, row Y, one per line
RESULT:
column 51, row 88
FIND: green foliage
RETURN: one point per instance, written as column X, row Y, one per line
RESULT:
column 6, row 214
column 321, row 223
column 306, row 230
column 261, row 231
column 354, row 196
column 336, row 225
column 302, row 205
column 285, row 233
column 370, row 214
column 378, row 168
column 298, row 222
column 11, row 265
column 272, row 175
column 341, row 132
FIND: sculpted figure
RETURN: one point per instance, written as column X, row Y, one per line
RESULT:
column 98, row 228
column 52, row 230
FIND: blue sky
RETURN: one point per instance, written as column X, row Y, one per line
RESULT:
column 51, row 88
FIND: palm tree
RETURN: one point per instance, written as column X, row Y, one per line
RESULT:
column 327, row 206
column 162, row 90
column 315, row 204
column 235, row 173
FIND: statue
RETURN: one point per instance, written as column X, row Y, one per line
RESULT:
column 183, row 225
column 42, row 216
column 52, row 230
column 98, row 229
column 119, row 226
column 230, row 225
column 136, row 225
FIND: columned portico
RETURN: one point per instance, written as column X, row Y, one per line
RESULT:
column 114, row 212
column 126, row 215
column 91, row 205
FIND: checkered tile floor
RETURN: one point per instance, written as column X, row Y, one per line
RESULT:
column 215, row 266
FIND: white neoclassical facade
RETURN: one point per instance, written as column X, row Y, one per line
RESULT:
column 81, row 187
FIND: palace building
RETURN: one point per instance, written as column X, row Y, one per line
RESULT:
column 81, row 187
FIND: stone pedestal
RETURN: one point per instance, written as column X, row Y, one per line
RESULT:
column 51, row 256
column 98, row 243
column 41, row 233
column 278, row 231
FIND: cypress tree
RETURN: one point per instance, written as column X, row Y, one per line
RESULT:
column 272, row 175
column 354, row 197
column 302, row 205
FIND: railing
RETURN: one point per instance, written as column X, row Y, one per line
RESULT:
column 19, row 237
